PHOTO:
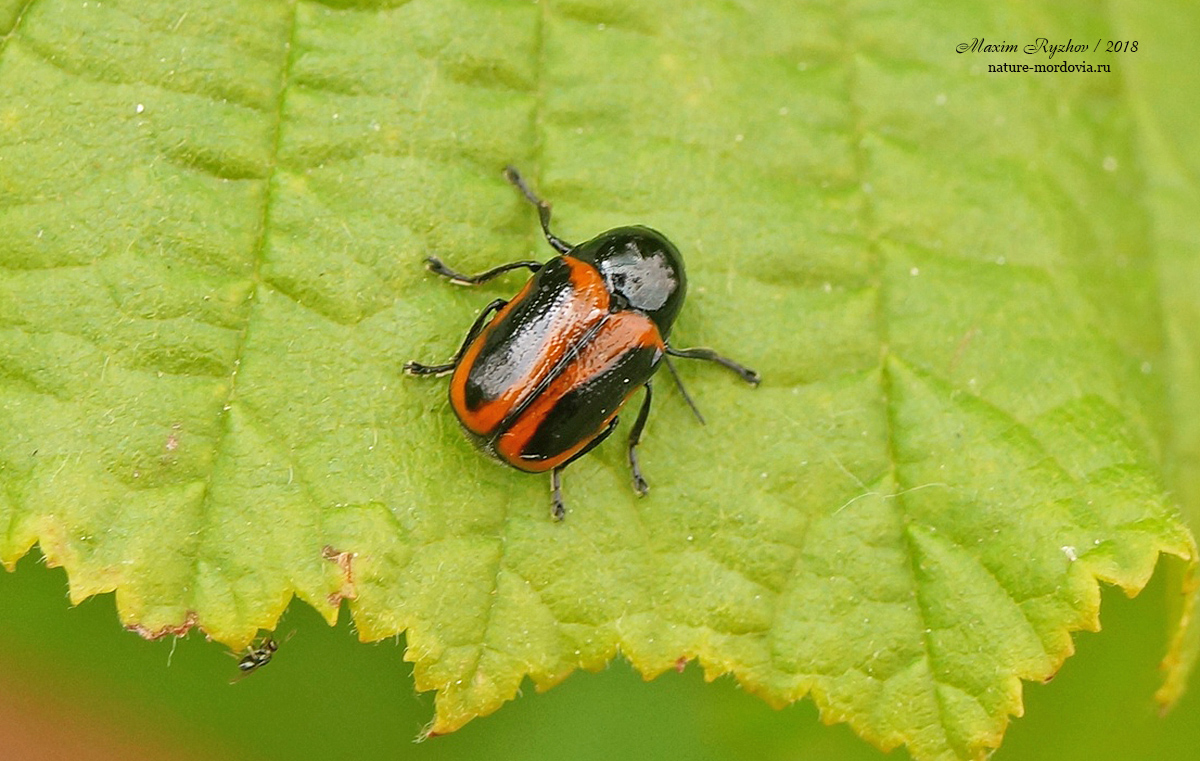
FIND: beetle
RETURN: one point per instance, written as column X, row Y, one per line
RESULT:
column 539, row 380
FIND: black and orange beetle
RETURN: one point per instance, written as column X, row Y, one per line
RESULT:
column 540, row 383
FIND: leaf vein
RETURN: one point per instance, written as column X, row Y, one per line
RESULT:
column 46, row 54
column 869, row 225
column 16, row 24
column 259, row 254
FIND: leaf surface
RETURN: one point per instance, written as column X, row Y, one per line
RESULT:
column 214, row 217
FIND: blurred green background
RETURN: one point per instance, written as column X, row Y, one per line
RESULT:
column 106, row 693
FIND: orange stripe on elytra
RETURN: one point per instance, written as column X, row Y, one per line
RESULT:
column 458, row 381
column 619, row 333
column 588, row 304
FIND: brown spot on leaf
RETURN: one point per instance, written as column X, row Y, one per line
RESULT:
column 344, row 561
column 152, row 634
column 173, row 437
column 961, row 349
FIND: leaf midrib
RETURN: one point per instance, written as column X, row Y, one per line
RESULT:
column 259, row 254
column 866, row 218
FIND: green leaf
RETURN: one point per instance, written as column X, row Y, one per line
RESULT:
column 213, row 219
column 1171, row 165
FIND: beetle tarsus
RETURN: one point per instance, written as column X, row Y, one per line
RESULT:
column 416, row 368
column 558, row 509
column 750, row 376
column 436, row 266
column 639, row 484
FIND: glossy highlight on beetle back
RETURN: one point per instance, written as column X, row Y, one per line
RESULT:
column 641, row 268
column 516, row 352
column 581, row 400
column 519, row 385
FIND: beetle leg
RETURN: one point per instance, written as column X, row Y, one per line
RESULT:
column 635, row 438
column 747, row 374
column 558, row 244
column 558, row 510
column 416, row 368
column 434, row 265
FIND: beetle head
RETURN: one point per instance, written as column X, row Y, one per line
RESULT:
column 641, row 269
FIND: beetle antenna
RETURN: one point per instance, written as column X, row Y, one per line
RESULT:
column 679, row 382
column 557, row 243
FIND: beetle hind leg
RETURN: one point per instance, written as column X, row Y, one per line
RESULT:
column 635, row 438
column 559, row 508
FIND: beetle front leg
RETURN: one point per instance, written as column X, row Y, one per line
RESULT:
column 557, row 243
column 416, row 368
column 434, row 265
column 635, row 438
